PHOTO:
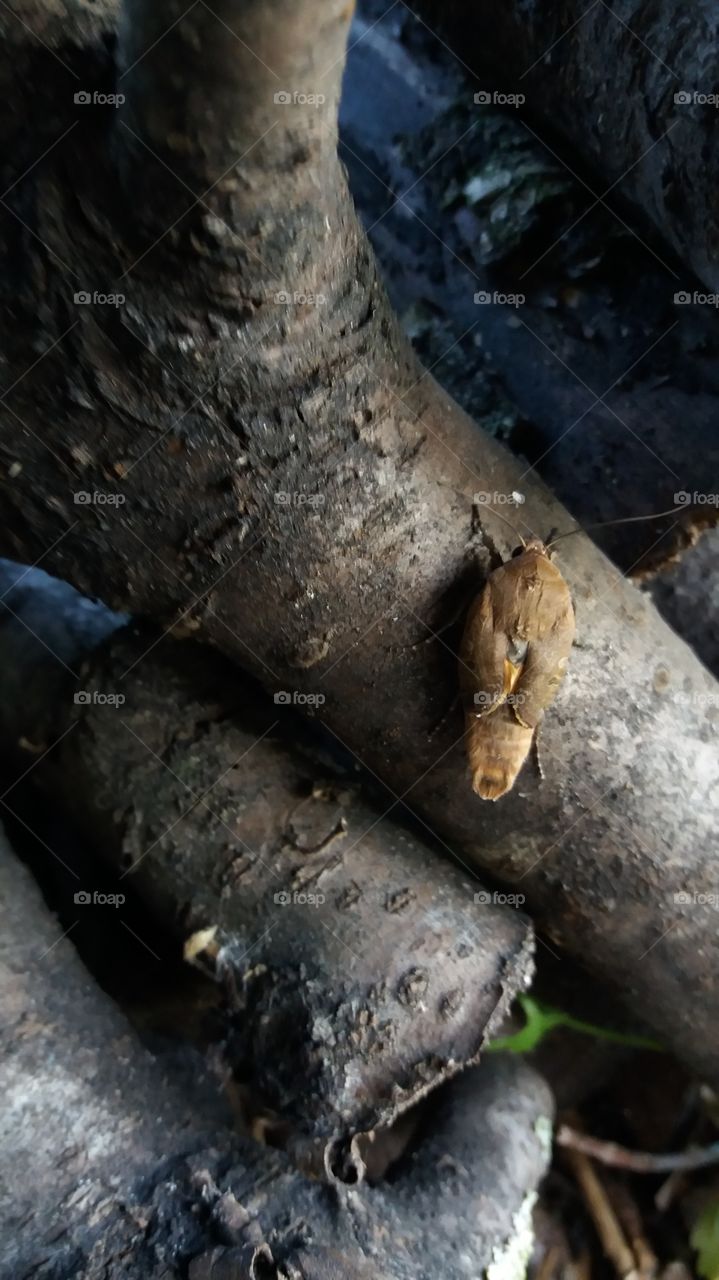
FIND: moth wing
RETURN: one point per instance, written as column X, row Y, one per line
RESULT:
column 550, row 641
column 485, row 669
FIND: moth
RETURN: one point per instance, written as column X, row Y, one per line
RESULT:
column 514, row 652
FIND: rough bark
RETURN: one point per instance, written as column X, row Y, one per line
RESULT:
column 588, row 378
column 619, row 65
column 598, row 310
column 326, row 401
column 361, row 968
column 114, row 1164
column 85, row 1110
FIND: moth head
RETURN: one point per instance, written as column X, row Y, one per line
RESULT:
column 534, row 544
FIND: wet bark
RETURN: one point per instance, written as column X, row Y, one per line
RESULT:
column 218, row 413
column 115, row 1163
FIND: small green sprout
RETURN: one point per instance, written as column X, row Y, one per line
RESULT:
column 542, row 1018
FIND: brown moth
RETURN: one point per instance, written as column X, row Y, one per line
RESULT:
column 517, row 640
column 515, row 647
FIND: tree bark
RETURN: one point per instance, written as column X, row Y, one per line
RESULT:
column 584, row 326
column 605, row 78
column 216, row 413
column 361, row 969
column 114, row 1163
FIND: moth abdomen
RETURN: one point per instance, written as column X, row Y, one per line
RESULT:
column 496, row 748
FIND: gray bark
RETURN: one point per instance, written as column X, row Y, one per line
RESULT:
column 330, row 598
column 361, row 969
column 115, row 1164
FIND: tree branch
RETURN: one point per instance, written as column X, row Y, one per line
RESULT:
column 360, row 969
column 655, row 150
column 216, row 434
column 113, row 1165
column 235, row 101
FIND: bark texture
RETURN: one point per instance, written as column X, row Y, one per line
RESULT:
column 621, row 66
column 217, row 412
column 114, row 1164
column 361, row 969
column 599, row 363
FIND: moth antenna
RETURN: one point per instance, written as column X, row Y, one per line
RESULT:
column 603, row 524
column 516, row 532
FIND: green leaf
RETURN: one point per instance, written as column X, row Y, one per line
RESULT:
column 705, row 1239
